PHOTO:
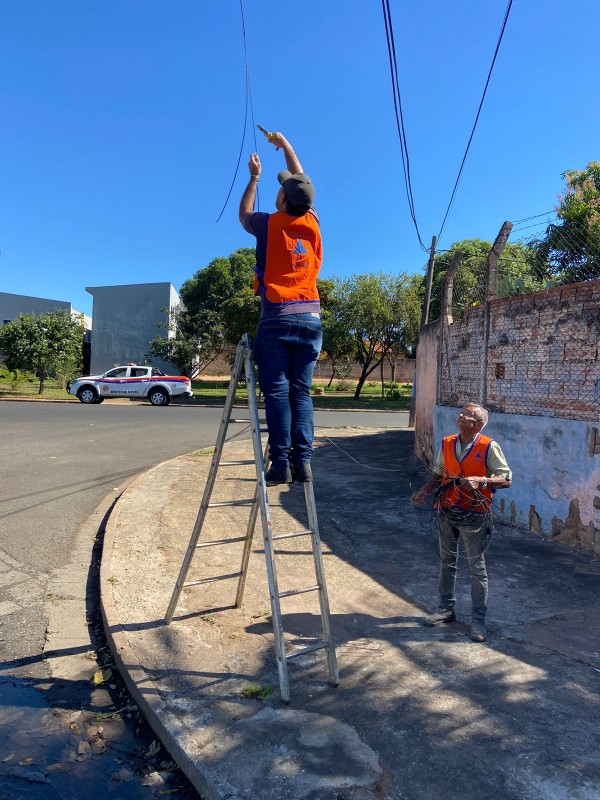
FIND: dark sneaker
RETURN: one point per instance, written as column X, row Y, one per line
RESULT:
column 302, row 472
column 276, row 474
column 439, row 617
column 478, row 631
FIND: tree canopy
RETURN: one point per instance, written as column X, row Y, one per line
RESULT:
column 46, row 343
column 221, row 280
column 381, row 313
column 518, row 273
column 570, row 249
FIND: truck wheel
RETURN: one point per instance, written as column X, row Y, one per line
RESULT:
column 159, row 397
column 87, row 394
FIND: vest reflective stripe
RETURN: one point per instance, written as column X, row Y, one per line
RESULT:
column 473, row 465
column 294, row 256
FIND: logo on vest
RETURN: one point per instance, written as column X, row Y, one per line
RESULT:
column 300, row 249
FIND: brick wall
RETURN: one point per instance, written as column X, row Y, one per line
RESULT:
column 542, row 354
column 405, row 368
column 462, row 358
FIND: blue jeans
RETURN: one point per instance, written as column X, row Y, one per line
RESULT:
column 473, row 541
column 286, row 351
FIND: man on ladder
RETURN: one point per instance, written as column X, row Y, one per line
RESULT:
column 289, row 337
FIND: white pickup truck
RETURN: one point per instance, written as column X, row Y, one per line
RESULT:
column 131, row 380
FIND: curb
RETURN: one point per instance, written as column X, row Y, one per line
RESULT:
column 135, row 677
column 206, row 405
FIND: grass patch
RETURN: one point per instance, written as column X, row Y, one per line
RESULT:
column 255, row 692
column 364, row 403
column 214, row 392
column 207, row 451
column 51, row 391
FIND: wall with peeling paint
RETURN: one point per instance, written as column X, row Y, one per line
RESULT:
column 556, row 473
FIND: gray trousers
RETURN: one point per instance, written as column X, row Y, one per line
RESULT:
column 473, row 543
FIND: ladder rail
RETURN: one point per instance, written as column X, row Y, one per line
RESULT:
column 265, row 515
column 309, row 494
column 210, row 482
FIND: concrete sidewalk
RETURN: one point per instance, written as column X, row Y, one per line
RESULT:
column 420, row 713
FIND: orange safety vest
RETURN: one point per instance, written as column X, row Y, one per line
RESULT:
column 474, row 464
column 294, row 256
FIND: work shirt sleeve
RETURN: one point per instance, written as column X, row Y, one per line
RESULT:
column 496, row 463
column 256, row 223
column 438, row 464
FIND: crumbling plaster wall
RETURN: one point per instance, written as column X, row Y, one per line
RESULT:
column 556, row 473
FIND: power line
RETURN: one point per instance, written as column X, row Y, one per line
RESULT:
column 389, row 33
column 502, row 29
column 248, row 105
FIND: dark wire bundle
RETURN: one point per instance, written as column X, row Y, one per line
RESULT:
column 476, row 517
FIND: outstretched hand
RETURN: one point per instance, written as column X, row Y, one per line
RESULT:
column 278, row 139
column 254, row 165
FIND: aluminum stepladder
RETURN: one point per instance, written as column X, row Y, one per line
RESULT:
column 243, row 362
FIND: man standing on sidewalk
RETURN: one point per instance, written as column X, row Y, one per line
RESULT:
column 468, row 469
column 289, row 336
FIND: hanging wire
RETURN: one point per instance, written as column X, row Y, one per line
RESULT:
column 248, row 105
column 389, row 33
column 502, row 29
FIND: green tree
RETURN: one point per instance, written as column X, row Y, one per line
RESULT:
column 338, row 341
column 240, row 315
column 518, row 273
column 367, row 313
column 406, row 299
column 570, row 250
column 221, row 280
column 46, row 343
column 197, row 333
column 192, row 342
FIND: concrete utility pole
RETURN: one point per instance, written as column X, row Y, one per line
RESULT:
column 428, row 282
column 424, row 320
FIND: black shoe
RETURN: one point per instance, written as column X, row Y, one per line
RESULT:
column 439, row 617
column 276, row 474
column 302, row 472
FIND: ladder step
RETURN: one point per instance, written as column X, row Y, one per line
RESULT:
column 222, row 541
column 235, row 463
column 310, row 649
column 291, row 535
column 231, row 503
column 209, row 580
column 299, row 591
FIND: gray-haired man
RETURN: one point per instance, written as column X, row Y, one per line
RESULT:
column 468, row 469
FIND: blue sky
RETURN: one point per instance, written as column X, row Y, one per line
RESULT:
column 122, row 123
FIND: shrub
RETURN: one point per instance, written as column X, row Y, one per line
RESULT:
column 344, row 386
column 393, row 391
column 15, row 377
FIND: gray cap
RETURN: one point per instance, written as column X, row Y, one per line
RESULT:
column 298, row 189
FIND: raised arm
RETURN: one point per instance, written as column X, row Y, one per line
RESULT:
column 291, row 159
column 249, row 196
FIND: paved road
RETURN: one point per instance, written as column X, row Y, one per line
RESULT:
column 59, row 462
